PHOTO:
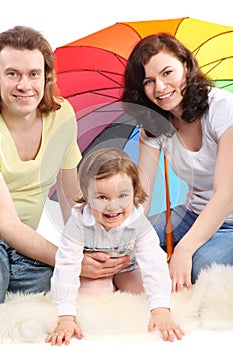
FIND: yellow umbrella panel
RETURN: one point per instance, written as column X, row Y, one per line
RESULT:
column 211, row 43
column 101, row 58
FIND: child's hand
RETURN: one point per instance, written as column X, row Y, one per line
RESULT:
column 66, row 328
column 161, row 319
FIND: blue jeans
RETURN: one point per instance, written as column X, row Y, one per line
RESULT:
column 21, row 274
column 218, row 249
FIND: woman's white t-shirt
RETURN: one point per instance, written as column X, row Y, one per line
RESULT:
column 197, row 168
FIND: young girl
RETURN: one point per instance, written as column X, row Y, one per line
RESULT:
column 110, row 218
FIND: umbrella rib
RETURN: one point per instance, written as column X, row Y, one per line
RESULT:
column 102, row 73
column 88, row 70
column 125, row 123
column 111, row 79
column 224, row 86
column 217, row 63
column 135, row 132
column 95, row 92
column 209, row 39
column 100, row 110
column 120, row 59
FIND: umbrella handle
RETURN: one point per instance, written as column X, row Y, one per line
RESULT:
column 169, row 227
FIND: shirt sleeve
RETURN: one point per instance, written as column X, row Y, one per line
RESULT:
column 149, row 141
column 152, row 261
column 220, row 114
column 65, row 281
column 73, row 154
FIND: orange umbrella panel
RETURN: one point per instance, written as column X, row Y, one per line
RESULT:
column 90, row 75
column 92, row 68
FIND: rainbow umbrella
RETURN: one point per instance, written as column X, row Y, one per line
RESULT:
column 90, row 75
column 90, row 70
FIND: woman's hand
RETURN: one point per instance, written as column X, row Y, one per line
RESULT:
column 99, row 265
column 161, row 319
column 66, row 328
column 180, row 267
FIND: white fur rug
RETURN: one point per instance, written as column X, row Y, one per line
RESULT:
column 122, row 316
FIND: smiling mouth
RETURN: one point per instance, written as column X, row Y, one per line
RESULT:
column 23, row 97
column 112, row 216
column 164, row 97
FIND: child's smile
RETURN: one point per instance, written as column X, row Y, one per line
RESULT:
column 111, row 199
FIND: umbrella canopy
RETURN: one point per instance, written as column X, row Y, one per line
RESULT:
column 90, row 70
column 90, row 75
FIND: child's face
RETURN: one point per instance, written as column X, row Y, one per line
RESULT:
column 111, row 199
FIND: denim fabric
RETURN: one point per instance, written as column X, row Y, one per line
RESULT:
column 218, row 249
column 21, row 274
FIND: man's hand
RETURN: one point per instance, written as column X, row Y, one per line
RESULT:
column 99, row 265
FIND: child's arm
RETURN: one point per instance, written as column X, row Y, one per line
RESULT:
column 161, row 319
column 65, row 329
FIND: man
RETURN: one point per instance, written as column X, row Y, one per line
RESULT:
column 38, row 148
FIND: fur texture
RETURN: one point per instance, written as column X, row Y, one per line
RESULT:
column 123, row 316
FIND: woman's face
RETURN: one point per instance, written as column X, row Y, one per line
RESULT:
column 164, row 80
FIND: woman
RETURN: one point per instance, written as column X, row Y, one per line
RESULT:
column 182, row 114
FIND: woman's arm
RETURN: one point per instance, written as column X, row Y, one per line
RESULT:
column 212, row 216
column 148, row 161
column 20, row 236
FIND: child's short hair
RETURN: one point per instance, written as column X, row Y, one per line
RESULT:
column 104, row 163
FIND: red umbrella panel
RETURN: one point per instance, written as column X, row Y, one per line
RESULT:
column 90, row 73
column 90, row 70
column 122, row 132
column 89, row 77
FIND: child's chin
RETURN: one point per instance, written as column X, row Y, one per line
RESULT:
column 108, row 226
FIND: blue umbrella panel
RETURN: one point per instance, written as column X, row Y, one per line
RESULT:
column 111, row 126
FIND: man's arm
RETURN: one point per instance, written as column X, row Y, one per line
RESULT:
column 98, row 265
column 67, row 190
column 20, row 236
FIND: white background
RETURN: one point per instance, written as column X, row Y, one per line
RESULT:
column 62, row 21
column 68, row 20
